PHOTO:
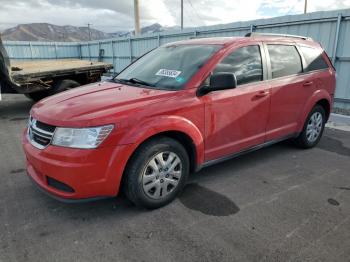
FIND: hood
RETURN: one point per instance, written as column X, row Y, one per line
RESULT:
column 96, row 104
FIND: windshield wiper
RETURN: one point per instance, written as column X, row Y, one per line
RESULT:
column 119, row 80
column 135, row 81
column 139, row 81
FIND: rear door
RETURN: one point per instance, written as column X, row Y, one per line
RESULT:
column 290, row 89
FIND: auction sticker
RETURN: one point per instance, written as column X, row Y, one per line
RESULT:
column 168, row 73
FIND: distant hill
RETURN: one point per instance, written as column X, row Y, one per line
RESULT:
column 49, row 32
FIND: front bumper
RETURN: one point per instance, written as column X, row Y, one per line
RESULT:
column 84, row 174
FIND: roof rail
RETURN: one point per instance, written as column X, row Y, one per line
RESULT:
column 280, row 35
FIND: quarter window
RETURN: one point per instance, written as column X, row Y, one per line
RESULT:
column 313, row 58
column 245, row 63
column 285, row 60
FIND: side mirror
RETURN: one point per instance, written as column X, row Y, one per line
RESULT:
column 222, row 81
column 219, row 81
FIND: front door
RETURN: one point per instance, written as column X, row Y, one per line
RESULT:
column 236, row 118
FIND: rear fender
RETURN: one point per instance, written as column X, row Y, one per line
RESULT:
column 312, row 101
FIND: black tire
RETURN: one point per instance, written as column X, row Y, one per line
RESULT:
column 63, row 85
column 302, row 140
column 133, row 183
column 58, row 86
column 36, row 96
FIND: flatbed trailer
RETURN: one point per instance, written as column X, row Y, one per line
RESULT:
column 42, row 78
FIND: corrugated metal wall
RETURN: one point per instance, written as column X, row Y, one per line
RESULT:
column 19, row 50
column 331, row 29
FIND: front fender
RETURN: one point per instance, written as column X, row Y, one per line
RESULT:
column 311, row 102
column 156, row 125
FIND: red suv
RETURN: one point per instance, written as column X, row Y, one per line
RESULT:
column 177, row 109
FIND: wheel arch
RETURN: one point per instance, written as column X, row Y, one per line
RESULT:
column 184, row 139
column 176, row 127
column 326, row 106
column 320, row 97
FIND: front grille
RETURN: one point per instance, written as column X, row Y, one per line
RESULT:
column 40, row 134
column 45, row 127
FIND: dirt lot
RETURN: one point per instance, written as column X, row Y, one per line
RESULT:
column 276, row 204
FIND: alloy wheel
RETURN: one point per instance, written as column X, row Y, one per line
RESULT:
column 314, row 127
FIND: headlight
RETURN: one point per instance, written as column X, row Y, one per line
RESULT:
column 90, row 137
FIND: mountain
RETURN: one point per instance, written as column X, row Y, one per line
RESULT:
column 48, row 32
column 154, row 28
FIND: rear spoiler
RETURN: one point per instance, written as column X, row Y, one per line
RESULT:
column 5, row 69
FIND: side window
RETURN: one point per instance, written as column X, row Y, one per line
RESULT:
column 313, row 58
column 245, row 63
column 285, row 60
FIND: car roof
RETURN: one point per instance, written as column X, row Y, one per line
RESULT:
column 226, row 41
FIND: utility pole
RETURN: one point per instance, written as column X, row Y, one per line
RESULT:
column 89, row 31
column 137, row 17
column 182, row 14
column 305, row 7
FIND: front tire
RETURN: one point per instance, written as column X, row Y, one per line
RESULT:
column 313, row 128
column 156, row 173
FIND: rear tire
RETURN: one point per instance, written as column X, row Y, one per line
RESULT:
column 58, row 87
column 313, row 128
column 156, row 173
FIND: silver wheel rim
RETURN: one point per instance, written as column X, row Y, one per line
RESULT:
column 314, row 127
column 161, row 175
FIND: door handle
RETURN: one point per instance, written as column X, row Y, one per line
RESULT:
column 262, row 94
column 308, row 83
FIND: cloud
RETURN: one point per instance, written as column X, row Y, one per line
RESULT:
column 117, row 15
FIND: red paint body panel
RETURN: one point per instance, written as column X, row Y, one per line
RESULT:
column 91, row 173
column 235, row 119
column 288, row 96
column 219, row 123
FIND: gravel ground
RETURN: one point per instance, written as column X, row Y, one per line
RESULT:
column 277, row 204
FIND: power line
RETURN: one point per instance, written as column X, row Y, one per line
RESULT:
column 195, row 11
column 291, row 9
column 189, row 16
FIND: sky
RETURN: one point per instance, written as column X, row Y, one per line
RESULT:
column 117, row 15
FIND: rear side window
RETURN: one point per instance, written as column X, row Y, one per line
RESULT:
column 285, row 60
column 313, row 58
column 245, row 63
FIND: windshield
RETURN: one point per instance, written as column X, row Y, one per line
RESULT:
column 168, row 67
